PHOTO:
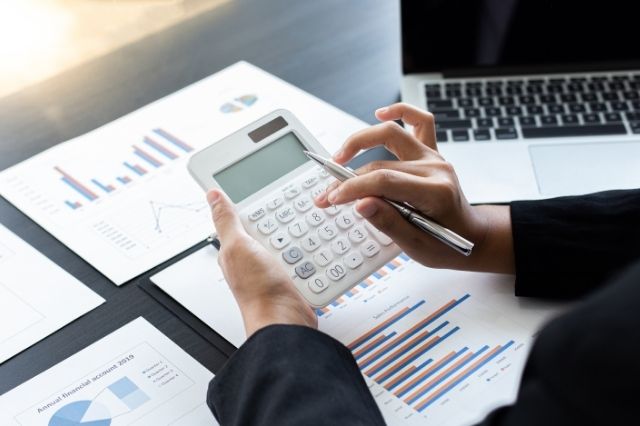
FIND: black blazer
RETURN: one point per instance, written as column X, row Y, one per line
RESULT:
column 565, row 248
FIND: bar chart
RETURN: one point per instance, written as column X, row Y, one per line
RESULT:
column 427, row 351
column 155, row 150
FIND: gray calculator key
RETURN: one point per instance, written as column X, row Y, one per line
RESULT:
column 274, row 203
column 345, row 220
column 318, row 284
column 323, row 257
column 298, row 228
column 310, row 243
column 292, row 255
column 318, row 190
column 315, row 217
column 357, row 234
column 305, row 270
column 292, row 192
column 257, row 214
column 279, row 240
column 327, row 232
column 340, row 245
column 323, row 173
column 333, row 210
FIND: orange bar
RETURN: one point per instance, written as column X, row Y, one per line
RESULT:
column 369, row 281
column 400, row 377
column 373, row 343
column 354, row 291
column 394, row 368
column 325, row 309
column 466, row 370
column 398, row 351
column 412, row 329
column 439, row 376
column 425, row 373
column 377, row 328
column 382, row 272
column 396, row 262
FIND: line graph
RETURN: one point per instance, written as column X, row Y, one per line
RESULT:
column 158, row 208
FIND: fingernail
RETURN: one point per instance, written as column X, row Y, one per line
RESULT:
column 338, row 154
column 333, row 195
column 213, row 197
column 368, row 210
column 382, row 110
column 321, row 197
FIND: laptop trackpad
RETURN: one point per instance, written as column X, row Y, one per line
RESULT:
column 568, row 169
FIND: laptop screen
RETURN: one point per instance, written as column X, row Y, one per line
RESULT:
column 441, row 35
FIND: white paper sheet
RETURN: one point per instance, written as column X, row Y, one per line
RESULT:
column 482, row 319
column 134, row 376
column 37, row 297
column 121, row 197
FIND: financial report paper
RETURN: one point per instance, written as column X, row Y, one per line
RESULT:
column 121, row 196
column 133, row 376
column 37, row 297
column 436, row 347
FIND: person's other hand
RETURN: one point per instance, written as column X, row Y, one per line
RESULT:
column 425, row 180
column 261, row 286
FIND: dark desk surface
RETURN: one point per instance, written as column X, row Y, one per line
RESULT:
column 345, row 52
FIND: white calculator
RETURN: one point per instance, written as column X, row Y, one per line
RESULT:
column 263, row 169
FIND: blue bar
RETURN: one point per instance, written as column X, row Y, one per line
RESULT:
column 413, row 345
column 403, row 256
column 363, row 284
column 101, row 186
column 419, row 354
column 82, row 192
column 391, row 266
column 177, row 142
column 349, row 294
column 70, row 204
column 162, row 150
column 413, row 308
column 334, row 303
column 147, row 158
column 122, row 180
column 402, row 340
column 413, row 386
column 467, row 374
column 387, row 337
column 377, row 275
column 319, row 312
column 133, row 169
column 449, row 374
column 417, row 370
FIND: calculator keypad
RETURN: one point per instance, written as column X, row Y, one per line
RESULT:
column 319, row 246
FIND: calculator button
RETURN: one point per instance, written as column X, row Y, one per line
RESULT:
column 292, row 255
column 318, row 285
column 298, row 229
column 327, row 232
column 380, row 236
column 308, row 183
column 345, row 221
column 286, row 214
column 353, row 259
column 257, row 214
column 318, row 190
column 275, row 203
column 333, row 210
column 357, row 234
column 292, row 192
column 336, row 271
column 323, row 257
column 370, row 248
column 303, row 204
column 267, row 226
column 340, row 246
column 305, row 270
column 279, row 240
column 310, row 243
column 323, row 173
column 355, row 212
column 315, row 217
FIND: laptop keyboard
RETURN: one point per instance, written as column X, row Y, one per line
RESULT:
column 516, row 108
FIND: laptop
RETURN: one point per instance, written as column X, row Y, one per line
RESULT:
column 532, row 99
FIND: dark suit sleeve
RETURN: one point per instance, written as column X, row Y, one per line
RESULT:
column 292, row 375
column 566, row 247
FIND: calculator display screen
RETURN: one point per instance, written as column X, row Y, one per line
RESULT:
column 262, row 167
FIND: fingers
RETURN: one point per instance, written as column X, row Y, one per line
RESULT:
column 385, row 183
column 422, row 122
column 225, row 218
column 389, row 134
column 387, row 219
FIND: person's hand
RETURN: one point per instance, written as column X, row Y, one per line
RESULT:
column 425, row 180
column 261, row 286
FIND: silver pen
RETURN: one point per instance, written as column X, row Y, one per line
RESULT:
column 427, row 225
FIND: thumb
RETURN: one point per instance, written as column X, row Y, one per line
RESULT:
column 225, row 218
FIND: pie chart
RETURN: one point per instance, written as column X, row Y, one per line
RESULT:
column 75, row 414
